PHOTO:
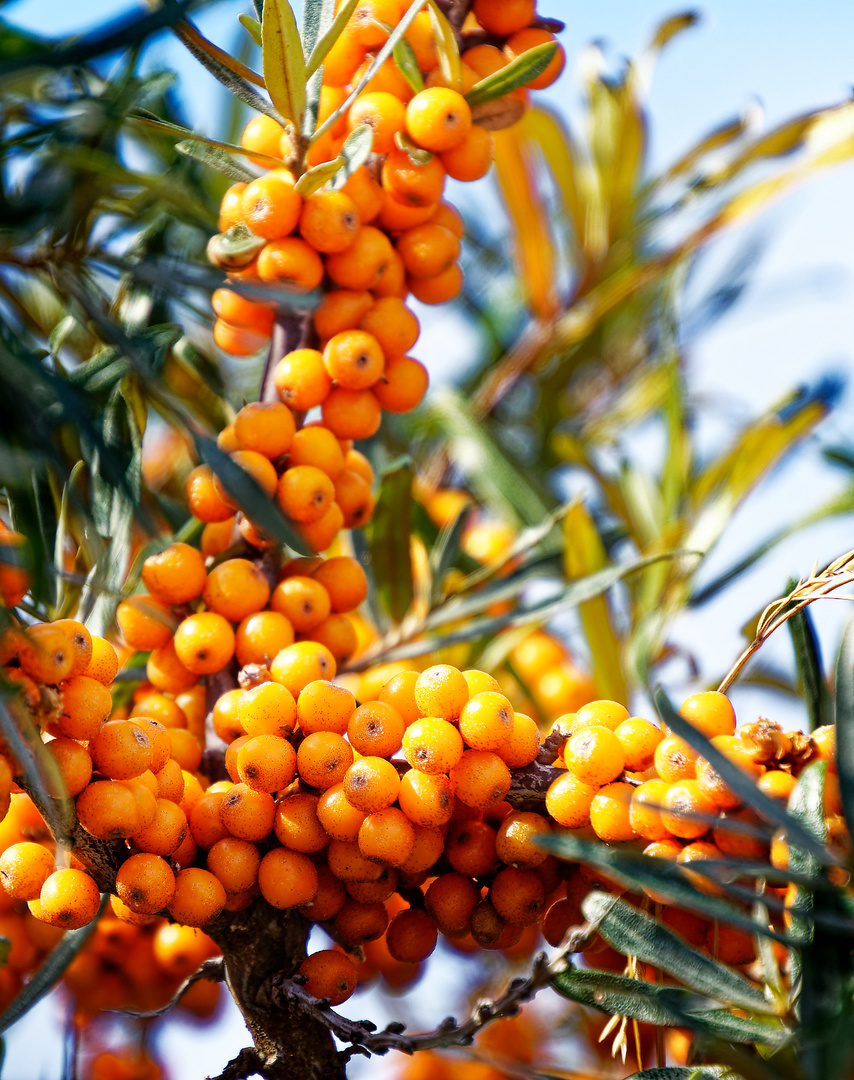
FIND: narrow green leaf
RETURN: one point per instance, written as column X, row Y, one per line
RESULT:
column 389, row 537
column 249, row 494
column 51, row 971
column 446, row 46
column 355, row 150
column 38, row 768
column 844, row 716
column 253, row 27
column 219, row 160
column 378, row 61
column 316, row 177
column 518, row 73
column 152, row 121
column 633, row 933
column 639, row 872
column 664, row 1006
column 235, row 83
column 445, row 552
column 494, row 478
column 407, row 62
column 60, row 333
column 740, row 783
column 813, row 685
column 284, row 64
column 319, row 37
column 416, row 154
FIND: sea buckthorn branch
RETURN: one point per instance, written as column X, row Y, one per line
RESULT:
column 816, row 586
column 212, row 970
column 365, row 1039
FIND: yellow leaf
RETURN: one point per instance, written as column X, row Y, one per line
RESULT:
column 546, row 129
column 284, row 63
column 535, row 253
column 446, row 47
column 584, row 554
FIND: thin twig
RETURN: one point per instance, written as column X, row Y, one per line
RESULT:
column 213, row 970
column 818, row 586
column 364, row 1037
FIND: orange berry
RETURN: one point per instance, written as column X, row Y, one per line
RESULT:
column 204, row 642
column 107, row 810
column 104, row 664
column 238, row 340
column 343, row 58
column 639, row 739
column 529, row 38
column 237, row 311
column 518, row 895
column 610, row 812
column 267, row 709
column 397, row 217
column 145, row 883
column 778, row 785
column 81, row 643
column 206, row 826
column 595, row 755
column 426, row 799
column 428, row 250
column 363, row 263
column 399, row 692
column 165, row 710
column 301, row 379
column 320, row 534
column 421, row 37
column 329, row 974
column 451, row 900
column 338, row 816
column 315, row 445
column 675, row 760
column 354, row 359
column 376, row 729
column 235, row 589
column 287, row 878
column 198, row 898
column 472, row 158
column 480, row 779
column 262, row 635
column 186, row 748
column 486, row 721
column 73, row 762
column 504, row 18
column 365, row 192
column 175, row 575
column 411, row 936
column 645, row 810
column 270, row 206
column 568, row 801
column 432, row 745
column 410, row 183
column 686, row 810
column 165, row 671
column 24, row 868
column 262, row 134
column 323, row 706
column 710, row 781
column 330, row 897
column 145, row 623
column 69, row 899
column 303, row 601
column 355, row 498
column 266, row 763
column 85, row 704
column 371, row 784
column 609, row 714
column 121, row 750
column 291, row 262
column 329, row 221
column 204, row 500
column 438, row 118
column 351, row 414
column 255, row 465
column 234, row 863
column 524, row 743
column 709, row 712
column 229, row 207
column 166, row 832
column 323, row 759
column 246, row 812
column 441, row 691
column 267, row 427
column 305, row 493
column 383, row 113
column 297, row 825
column 450, row 217
column 341, row 309
column 437, row 289
column 301, row 663
column 386, row 836
column 357, row 924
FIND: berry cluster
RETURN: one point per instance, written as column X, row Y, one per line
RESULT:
column 320, row 483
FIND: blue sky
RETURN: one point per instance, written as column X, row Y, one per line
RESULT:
column 797, row 320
